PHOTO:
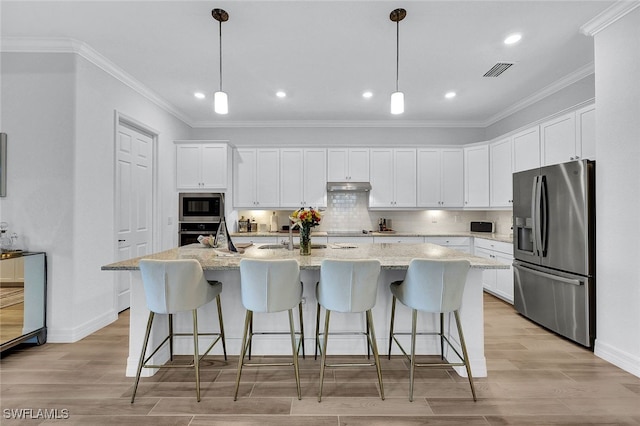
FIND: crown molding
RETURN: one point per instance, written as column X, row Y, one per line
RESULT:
column 609, row 16
column 545, row 92
column 335, row 124
column 69, row 45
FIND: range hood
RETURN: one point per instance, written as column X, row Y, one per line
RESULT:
column 348, row 186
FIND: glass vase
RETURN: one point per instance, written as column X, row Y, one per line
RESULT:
column 305, row 240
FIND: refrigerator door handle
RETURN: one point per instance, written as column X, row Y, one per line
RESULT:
column 543, row 216
column 537, row 222
column 534, row 215
column 532, row 271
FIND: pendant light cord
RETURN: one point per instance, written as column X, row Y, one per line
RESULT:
column 397, row 52
column 220, row 22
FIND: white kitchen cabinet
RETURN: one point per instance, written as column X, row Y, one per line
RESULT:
column 393, row 178
column 256, row 178
column 558, row 140
column 496, row 281
column 201, row 166
column 395, row 239
column 476, row 176
column 440, row 177
column 348, row 164
column 303, row 177
column 365, row 239
column 255, row 239
column 12, row 270
column 586, row 131
column 526, row 149
column 500, row 171
column 456, row 243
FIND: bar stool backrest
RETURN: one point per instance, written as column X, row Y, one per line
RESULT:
column 434, row 285
column 270, row 285
column 172, row 286
column 348, row 285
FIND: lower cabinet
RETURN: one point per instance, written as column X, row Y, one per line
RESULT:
column 393, row 239
column 256, row 239
column 456, row 243
column 351, row 240
column 498, row 282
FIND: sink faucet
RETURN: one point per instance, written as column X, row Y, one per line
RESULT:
column 290, row 246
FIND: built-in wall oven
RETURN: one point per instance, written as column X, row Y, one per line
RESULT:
column 199, row 214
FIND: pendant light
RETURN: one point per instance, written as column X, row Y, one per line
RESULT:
column 397, row 97
column 220, row 99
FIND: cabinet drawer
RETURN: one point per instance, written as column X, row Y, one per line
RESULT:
column 353, row 240
column 448, row 241
column 255, row 239
column 494, row 245
column 397, row 239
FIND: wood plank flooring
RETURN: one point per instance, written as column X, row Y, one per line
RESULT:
column 535, row 378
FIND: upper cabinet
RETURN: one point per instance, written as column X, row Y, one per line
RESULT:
column 201, row 165
column 500, row 171
column 348, row 165
column 393, row 178
column 256, row 178
column 303, row 177
column 440, row 177
column 586, row 131
column 476, row 176
column 526, row 149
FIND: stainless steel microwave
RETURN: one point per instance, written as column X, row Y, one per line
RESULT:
column 201, row 207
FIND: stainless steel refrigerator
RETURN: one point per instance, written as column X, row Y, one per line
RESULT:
column 554, row 248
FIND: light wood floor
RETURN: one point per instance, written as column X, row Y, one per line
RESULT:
column 535, row 378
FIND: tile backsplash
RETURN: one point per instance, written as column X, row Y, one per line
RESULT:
column 349, row 211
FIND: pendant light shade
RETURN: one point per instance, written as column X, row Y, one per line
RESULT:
column 397, row 97
column 397, row 103
column 220, row 103
column 220, row 98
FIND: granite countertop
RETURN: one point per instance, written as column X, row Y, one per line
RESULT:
column 505, row 238
column 391, row 256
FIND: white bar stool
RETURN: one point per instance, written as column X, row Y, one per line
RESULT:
column 269, row 286
column 348, row 286
column 432, row 286
column 170, row 287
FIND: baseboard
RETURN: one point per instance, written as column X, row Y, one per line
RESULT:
column 626, row 361
column 71, row 335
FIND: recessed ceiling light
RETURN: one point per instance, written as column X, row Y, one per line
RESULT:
column 281, row 94
column 367, row 95
column 199, row 95
column 450, row 95
column 513, row 38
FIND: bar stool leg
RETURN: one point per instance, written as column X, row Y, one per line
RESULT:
column 250, row 335
column 315, row 356
column 442, row 336
column 196, row 353
column 171, row 337
column 243, row 350
column 465, row 354
column 414, row 320
column 221, row 322
column 393, row 317
column 142, row 354
column 301, row 330
column 294, row 350
column 324, row 351
column 374, row 347
column 366, row 317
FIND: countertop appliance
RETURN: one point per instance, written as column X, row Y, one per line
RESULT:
column 481, row 227
column 554, row 248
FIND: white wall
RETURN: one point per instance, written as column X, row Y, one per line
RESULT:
column 617, row 61
column 61, row 178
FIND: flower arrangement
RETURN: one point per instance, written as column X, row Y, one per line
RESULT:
column 306, row 217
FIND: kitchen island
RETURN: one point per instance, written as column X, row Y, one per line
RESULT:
column 224, row 267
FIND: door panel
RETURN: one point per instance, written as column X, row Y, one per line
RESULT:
column 567, row 223
column 523, row 232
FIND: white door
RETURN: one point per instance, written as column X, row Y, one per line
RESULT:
column 134, row 189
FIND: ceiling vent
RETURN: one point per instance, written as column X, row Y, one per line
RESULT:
column 497, row 69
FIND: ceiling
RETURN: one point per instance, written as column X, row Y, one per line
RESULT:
column 325, row 54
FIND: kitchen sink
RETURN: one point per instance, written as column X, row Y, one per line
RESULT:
column 284, row 247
